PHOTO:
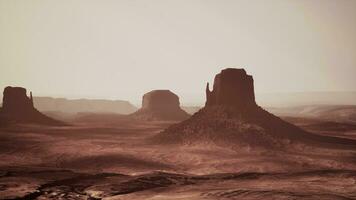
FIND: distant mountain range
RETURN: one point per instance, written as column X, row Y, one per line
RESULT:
column 49, row 104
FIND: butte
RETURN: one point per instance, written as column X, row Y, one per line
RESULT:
column 231, row 117
column 160, row 105
column 17, row 107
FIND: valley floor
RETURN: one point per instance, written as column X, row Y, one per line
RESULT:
column 117, row 161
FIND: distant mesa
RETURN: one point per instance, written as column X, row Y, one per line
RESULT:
column 18, row 107
column 232, row 117
column 161, row 105
column 73, row 106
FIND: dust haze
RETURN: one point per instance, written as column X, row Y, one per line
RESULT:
column 177, row 100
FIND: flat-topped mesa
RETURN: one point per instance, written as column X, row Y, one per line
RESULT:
column 161, row 105
column 16, row 101
column 233, row 88
column 160, row 100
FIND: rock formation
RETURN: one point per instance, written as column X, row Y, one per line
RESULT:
column 18, row 107
column 161, row 105
column 16, row 102
column 73, row 106
column 232, row 117
column 232, row 87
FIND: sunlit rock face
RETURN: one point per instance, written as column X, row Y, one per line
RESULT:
column 17, row 107
column 232, row 87
column 161, row 105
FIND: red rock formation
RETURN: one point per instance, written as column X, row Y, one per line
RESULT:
column 16, row 102
column 160, row 100
column 232, row 87
column 232, row 117
column 161, row 105
column 18, row 107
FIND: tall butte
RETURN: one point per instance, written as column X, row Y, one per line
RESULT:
column 232, row 87
column 232, row 117
column 17, row 107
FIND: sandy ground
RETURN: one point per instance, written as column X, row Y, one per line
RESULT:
column 116, row 160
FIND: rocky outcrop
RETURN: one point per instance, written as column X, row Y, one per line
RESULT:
column 232, row 117
column 160, row 100
column 16, row 102
column 232, row 87
column 18, row 107
column 161, row 105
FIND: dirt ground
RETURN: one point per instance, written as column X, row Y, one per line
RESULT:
column 116, row 160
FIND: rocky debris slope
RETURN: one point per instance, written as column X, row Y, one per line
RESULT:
column 17, row 107
column 231, row 116
column 161, row 105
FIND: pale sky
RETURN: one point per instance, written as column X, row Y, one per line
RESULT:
column 121, row 49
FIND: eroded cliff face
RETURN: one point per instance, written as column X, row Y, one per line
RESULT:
column 231, row 117
column 161, row 105
column 16, row 102
column 17, row 107
column 232, row 87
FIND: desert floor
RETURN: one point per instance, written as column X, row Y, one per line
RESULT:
column 116, row 160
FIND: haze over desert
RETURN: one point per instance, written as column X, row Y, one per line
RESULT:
column 173, row 100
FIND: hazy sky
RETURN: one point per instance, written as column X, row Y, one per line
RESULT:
column 122, row 49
